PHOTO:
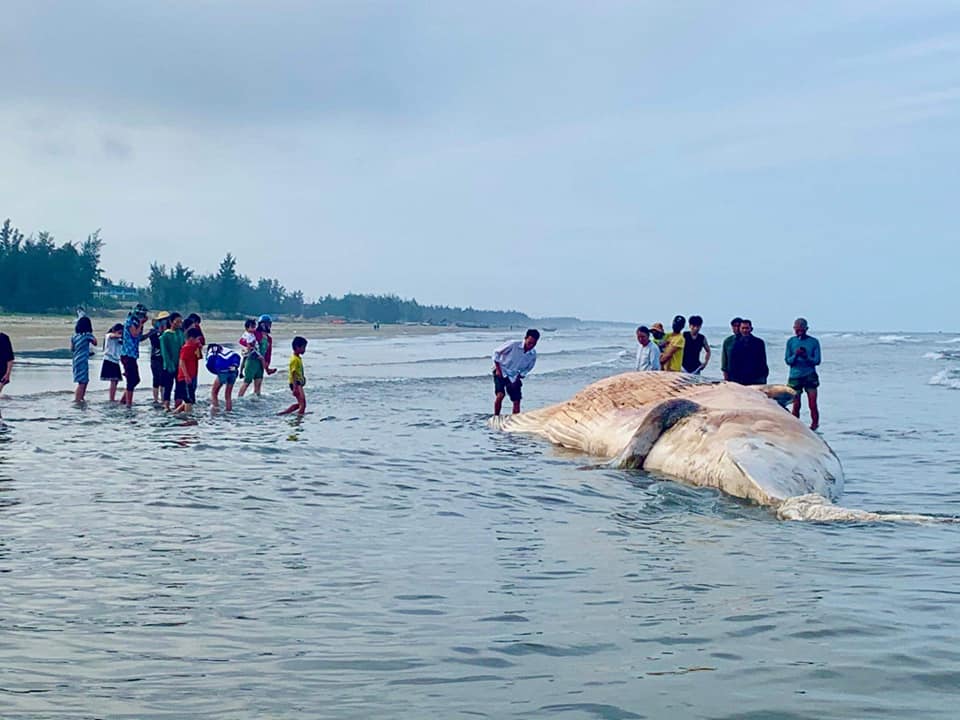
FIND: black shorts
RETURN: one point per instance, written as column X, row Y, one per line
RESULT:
column 185, row 393
column 131, row 370
column 503, row 385
column 156, row 370
column 110, row 370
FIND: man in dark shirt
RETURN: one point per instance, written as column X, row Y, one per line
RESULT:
column 728, row 346
column 6, row 359
column 748, row 358
column 693, row 344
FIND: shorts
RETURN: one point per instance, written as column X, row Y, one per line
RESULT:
column 156, row 369
column 185, row 393
column 804, row 382
column 253, row 370
column 503, row 385
column 132, row 370
column 228, row 378
column 294, row 386
column 110, row 370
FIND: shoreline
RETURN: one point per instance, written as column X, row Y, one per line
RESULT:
column 32, row 333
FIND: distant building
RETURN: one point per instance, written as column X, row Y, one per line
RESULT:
column 121, row 293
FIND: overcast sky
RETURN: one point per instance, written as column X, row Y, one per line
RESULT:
column 609, row 160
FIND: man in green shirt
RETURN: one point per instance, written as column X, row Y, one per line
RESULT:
column 171, row 341
column 728, row 346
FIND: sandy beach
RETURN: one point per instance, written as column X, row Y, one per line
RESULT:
column 51, row 332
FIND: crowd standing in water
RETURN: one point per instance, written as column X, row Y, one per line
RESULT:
column 176, row 348
column 743, row 359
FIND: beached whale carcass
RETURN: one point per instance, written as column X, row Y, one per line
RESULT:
column 735, row 438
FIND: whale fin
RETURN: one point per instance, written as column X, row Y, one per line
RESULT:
column 816, row 508
column 781, row 394
column 657, row 421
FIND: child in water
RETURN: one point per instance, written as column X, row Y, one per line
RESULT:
column 80, row 343
column 296, row 378
column 248, row 342
column 225, row 364
column 185, row 394
column 110, row 368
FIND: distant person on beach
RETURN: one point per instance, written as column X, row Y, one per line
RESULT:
column 185, row 394
column 648, row 354
column 110, row 367
column 80, row 343
column 748, row 357
column 171, row 342
column 6, row 359
column 671, row 357
column 803, row 356
column 693, row 345
column 297, row 378
column 511, row 363
column 225, row 365
column 258, row 365
column 728, row 346
column 160, row 323
column 133, row 335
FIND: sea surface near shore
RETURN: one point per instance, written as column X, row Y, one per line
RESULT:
column 390, row 556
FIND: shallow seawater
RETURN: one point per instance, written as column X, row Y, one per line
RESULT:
column 389, row 556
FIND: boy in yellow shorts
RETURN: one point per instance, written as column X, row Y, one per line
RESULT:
column 296, row 378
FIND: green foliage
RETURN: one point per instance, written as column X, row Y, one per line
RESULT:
column 36, row 275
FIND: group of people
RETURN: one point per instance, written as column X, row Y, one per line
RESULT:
column 176, row 349
column 743, row 359
column 679, row 351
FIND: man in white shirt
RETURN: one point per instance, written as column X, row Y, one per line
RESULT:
column 648, row 354
column 512, row 363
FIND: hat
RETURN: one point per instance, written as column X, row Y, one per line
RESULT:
column 162, row 315
column 657, row 326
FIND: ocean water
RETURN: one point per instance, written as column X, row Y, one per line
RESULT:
column 389, row 556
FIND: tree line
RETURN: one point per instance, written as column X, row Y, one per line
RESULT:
column 38, row 275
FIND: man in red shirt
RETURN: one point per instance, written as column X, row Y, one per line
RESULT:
column 185, row 394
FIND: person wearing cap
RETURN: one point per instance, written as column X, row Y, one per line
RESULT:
column 803, row 356
column 748, row 357
column 6, row 359
column 160, row 323
column 694, row 343
column 728, row 346
column 659, row 338
column 258, row 363
column 648, row 354
column 672, row 356
column 133, row 335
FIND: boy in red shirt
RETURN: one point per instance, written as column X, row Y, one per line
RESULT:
column 185, row 394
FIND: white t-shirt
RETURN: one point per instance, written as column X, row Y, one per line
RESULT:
column 111, row 348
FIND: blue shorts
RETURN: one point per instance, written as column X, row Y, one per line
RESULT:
column 229, row 377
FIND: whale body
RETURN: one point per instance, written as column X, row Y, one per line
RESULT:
column 735, row 438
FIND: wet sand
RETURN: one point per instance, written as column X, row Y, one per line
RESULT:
column 52, row 332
